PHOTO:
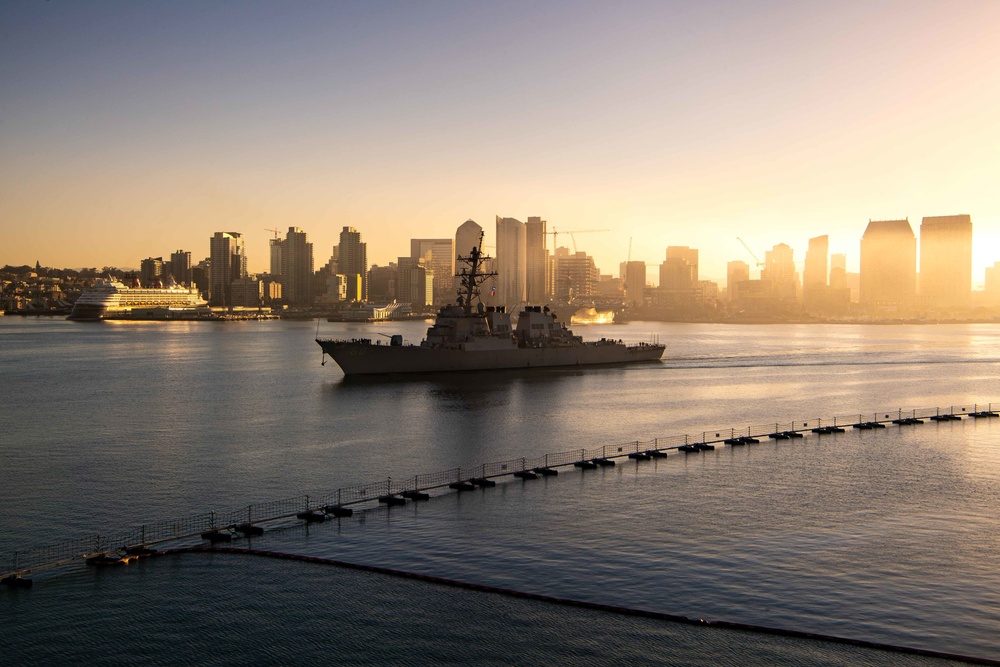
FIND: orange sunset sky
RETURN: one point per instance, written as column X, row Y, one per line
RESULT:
column 130, row 130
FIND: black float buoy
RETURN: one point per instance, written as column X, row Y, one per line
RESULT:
column 338, row 511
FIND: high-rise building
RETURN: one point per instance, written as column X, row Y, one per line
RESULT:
column 575, row 275
column 946, row 259
column 201, row 276
column 779, row 270
column 736, row 273
column 511, row 261
column 271, row 291
column 296, row 268
column 334, row 288
column 414, row 282
column 439, row 259
column 689, row 255
column 333, row 265
column 837, row 300
column 635, row 283
column 246, row 292
column 180, row 267
column 838, row 271
column 352, row 262
column 382, row 283
column 151, row 271
column 466, row 238
column 609, row 286
column 888, row 264
column 276, row 246
column 992, row 285
column 679, row 271
column 537, row 288
column 814, row 275
column 229, row 264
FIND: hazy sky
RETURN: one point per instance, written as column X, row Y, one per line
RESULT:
column 132, row 129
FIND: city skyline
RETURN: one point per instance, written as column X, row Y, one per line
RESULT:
column 683, row 125
column 823, row 260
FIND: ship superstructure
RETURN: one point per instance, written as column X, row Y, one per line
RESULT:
column 467, row 337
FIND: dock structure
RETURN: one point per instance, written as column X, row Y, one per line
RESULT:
column 217, row 528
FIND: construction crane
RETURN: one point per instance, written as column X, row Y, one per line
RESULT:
column 276, row 232
column 760, row 264
column 555, row 235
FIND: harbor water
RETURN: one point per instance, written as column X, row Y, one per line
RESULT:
column 888, row 536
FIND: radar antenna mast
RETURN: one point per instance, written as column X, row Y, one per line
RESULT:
column 472, row 276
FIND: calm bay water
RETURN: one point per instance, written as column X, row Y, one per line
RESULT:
column 890, row 535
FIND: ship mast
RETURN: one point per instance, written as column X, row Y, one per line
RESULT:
column 472, row 276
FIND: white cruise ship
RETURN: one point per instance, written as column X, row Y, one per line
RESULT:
column 112, row 299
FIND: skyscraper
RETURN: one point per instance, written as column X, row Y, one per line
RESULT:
column 814, row 275
column 352, row 262
column 466, row 238
column 888, row 264
column 439, row 259
column 736, row 273
column 511, row 261
column 575, row 275
column 151, row 271
column 180, row 267
column 296, row 268
column 382, row 283
column 276, row 246
column 333, row 264
column 229, row 263
column 992, row 284
column 779, row 270
column 679, row 271
column 635, row 283
column 414, row 282
column 838, row 271
column 536, row 261
column 946, row 259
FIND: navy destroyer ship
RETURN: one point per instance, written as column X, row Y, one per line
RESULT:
column 467, row 337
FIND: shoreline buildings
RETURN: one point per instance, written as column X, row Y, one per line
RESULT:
column 296, row 261
column 228, row 265
column 352, row 263
column 888, row 265
column 946, row 260
column 538, row 273
column 511, row 261
column 890, row 284
column 437, row 258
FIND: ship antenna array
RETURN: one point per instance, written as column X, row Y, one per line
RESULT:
column 472, row 277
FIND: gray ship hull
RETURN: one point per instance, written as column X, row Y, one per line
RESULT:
column 357, row 358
